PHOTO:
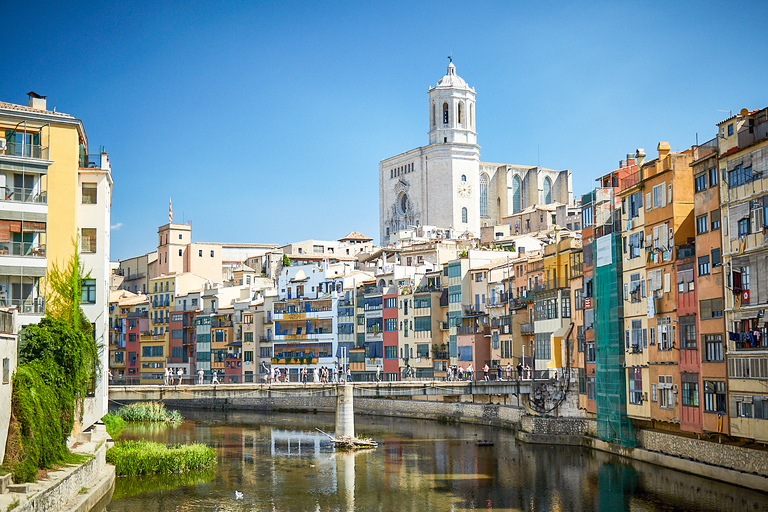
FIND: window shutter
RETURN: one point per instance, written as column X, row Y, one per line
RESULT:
column 705, row 309
column 626, row 338
column 663, row 194
column 653, row 392
column 642, row 288
column 645, row 338
column 648, row 202
column 626, row 291
column 667, row 279
column 670, row 193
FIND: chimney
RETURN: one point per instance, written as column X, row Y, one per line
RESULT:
column 36, row 101
column 640, row 156
column 663, row 149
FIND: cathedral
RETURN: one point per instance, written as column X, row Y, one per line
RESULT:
column 444, row 184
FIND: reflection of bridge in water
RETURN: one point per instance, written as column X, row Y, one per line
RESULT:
column 292, row 443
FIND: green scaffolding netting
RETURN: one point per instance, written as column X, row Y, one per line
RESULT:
column 613, row 425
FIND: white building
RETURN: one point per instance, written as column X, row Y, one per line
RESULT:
column 445, row 184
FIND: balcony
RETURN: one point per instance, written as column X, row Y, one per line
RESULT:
column 746, row 341
column 22, row 148
column 90, row 161
column 443, row 326
column 25, row 195
column 135, row 275
column 27, row 306
column 138, row 314
column 471, row 329
column 428, row 288
column 551, row 285
column 29, row 249
column 470, row 311
column 686, row 251
column 527, row 328
column 630, row 180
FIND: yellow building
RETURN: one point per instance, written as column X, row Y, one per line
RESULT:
column 54, row 192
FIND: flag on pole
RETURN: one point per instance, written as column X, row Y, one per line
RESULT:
column 170, row 210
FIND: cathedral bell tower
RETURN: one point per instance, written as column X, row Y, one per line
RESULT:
column 452, row 110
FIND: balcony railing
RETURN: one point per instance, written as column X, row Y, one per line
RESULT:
column 22, row 249
column 552, row 284
column 90, row 161
column 25, row 195
column 471, row 329
column 527, row 328
column 135, row 275
column 26, row 150
column 27, row 306
column 631, row 180
column 747, row 341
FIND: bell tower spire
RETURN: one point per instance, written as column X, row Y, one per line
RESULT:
column 452, row 110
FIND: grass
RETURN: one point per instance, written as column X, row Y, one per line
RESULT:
column 83, row 490
column 149, row 411
column 115, row 425
column 13, row 504
column 137, row 485
column 146, row 457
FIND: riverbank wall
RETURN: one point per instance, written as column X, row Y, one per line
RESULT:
column 732, row 464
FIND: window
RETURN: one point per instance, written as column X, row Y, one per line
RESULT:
column 743, row 226
column 703, row 262
column 566, row 306
column 687, row 332
column 700, row 182
column 590, row 388
column 464, row 215
column 714, row 219
column 89, row 291
column 714, row 396
column 730, row 129
column 711, row 308
column 483, row 195
column 7, row 369
column 635, row 386
column 89, row 193
column 713, row 347
column 702, row 224
column 88, row 240
column 176, row 334
column 660, row 195
column 465, row 353
column 445, row 113
column 390, row 324
column 543, row 348
column 461, row 115
column 119, row 357
column 516, row 194
column 200, row 253
column 713, row 177
column 665, row 394
column 740, row 175
column 390, row 352
column 690, row 388
column 743, row 409
column 422, row 350
column 152, row 351
column 716, row 261
column 423, row 323
column 211, row 254
column 547, row 188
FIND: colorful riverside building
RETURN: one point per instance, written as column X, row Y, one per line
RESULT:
column 55, row 190
column 743, row 168
column 668, row 204
column 702, row 335
column 128, row 318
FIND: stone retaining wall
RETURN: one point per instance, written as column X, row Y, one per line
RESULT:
column 53, row 498
column 723, row 455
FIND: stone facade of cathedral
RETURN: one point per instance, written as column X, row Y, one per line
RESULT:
column 444, row 184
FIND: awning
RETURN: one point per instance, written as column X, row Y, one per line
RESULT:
column 235, row 344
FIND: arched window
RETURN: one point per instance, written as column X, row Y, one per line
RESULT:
column 471, row 115
column 433, row 115
column 445, row 113
column 464, row 215
column 547, row 191
column 517, row 186
column 463, row 177
column 483, row 195
column 461, row 114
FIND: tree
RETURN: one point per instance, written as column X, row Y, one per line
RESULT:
column 286, row 260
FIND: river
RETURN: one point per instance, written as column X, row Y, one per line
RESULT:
column 280, row 462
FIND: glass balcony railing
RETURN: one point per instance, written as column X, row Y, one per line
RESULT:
column 27, row 306
column 22, row 249
column 26, row 150
column 25, row 195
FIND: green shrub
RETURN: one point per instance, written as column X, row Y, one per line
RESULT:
column 146, row 457
column 148, row 411
column 114, row 424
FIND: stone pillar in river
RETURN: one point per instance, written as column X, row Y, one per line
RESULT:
column 345, row 414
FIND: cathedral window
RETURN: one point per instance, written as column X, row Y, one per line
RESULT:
column 461, row 114
column 483, row 195
column 516, row 194
column 471, row 115
column 464, row 215
column 433, row 115
column 463, row 177
column 547, row 191
column 445, row 113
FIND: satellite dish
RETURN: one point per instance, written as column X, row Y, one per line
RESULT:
column 744, row 112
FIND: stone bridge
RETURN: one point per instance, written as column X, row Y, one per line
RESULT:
column 225, row 392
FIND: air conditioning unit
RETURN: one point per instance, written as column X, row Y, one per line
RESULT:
column 2, row 144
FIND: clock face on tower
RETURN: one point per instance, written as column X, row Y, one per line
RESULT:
column 464, row 189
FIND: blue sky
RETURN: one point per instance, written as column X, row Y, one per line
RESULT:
column 265, row 122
